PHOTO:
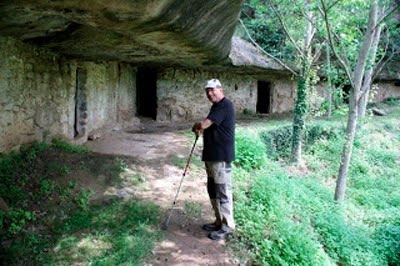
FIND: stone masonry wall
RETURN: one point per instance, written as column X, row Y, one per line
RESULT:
column 43, row 96
column 181, row 95
column 38, row 90
column 283, row 95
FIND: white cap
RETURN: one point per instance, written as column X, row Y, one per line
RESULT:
column 213, row 83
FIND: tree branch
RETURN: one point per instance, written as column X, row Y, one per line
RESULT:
column 285, row 29
column 329, row 8
column 382, row 61
column 265, row 52
column 387, row 14
column 329, row 33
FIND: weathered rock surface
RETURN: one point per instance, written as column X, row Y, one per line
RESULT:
column 158, row 32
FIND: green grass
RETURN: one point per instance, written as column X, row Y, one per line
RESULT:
column 287, row 218
column 121, row 233
column 51, row 220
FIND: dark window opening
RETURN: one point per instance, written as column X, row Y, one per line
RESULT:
column 80, row 119
column 146, row 92
column 397, row 83
column 264, row 97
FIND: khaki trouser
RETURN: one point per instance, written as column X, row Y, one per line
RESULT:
column 219, row 187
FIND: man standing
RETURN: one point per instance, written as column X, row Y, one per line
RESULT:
column 219, row 151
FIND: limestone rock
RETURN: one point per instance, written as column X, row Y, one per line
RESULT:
column 172, row 32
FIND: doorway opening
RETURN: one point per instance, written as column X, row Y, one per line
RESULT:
column 146, row 92
column 80, row 119
column 264, row 97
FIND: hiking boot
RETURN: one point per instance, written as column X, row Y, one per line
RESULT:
column 221, row 233
column 211, row 227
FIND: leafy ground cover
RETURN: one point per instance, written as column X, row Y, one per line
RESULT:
column 50, row 222
column 287, row 216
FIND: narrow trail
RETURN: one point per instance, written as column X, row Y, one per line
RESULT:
column 156, row 148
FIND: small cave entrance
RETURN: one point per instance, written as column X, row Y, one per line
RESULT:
column 264, row 97
column 80, row 118
column 146, row 92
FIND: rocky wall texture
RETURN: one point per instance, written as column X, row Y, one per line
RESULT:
column 181, row 95
column 384, row 90
column 38, row 96
column 162, row 32
column 33, row 94
column 283, row 95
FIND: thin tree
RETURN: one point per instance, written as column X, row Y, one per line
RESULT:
column 303, row 52
column 306, row 54
column 358, row 77
column 388, row 51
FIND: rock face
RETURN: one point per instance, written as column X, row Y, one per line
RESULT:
column 78, row 69
column 156, row 32
column 181, row 96
column 43, row 96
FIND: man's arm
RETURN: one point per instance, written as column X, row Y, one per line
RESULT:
column 199, row 127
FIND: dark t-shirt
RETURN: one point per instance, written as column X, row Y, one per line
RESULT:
column 219, row 138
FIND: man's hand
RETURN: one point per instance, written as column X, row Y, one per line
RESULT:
column 197, row 129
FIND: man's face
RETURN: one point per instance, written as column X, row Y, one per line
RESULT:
column 214, row 95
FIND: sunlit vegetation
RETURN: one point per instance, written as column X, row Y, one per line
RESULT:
column 50, row 219
column 286, row 215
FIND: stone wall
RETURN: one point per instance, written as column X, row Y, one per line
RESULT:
column 43, row 95
column 386, row 89
column 283, row 95
column 38, row 95
column 380, row 91
column 181, row 95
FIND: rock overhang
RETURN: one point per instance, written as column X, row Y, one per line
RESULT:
column 159, row 32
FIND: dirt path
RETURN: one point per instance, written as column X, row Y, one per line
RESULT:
column 156, row 148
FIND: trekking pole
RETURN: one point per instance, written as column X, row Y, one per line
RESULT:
column 180, row 184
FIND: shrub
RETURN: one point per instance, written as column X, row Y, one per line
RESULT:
column 250, row 151
column 388, row 239
column 278, row 141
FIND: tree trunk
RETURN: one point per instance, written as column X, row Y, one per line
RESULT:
column 358, row 76
column 298, row 120
column 348, row 147
column 303, row 83
column 329, row 89
column 367, row 84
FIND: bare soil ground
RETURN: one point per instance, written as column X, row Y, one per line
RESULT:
column 156, row 154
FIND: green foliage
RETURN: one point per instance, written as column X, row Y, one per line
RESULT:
column 249, row 112
column 50, row 214
column 289, row 218
column 278, row 140
column 274, row 225
column 65, row 146
column 16, row 219
column 250, row 152
column 120, row 233
column 265, row 29
column 388, row 239
column 83, row 198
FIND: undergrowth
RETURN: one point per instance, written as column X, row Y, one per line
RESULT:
column 287, row 216
column 47, row 217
